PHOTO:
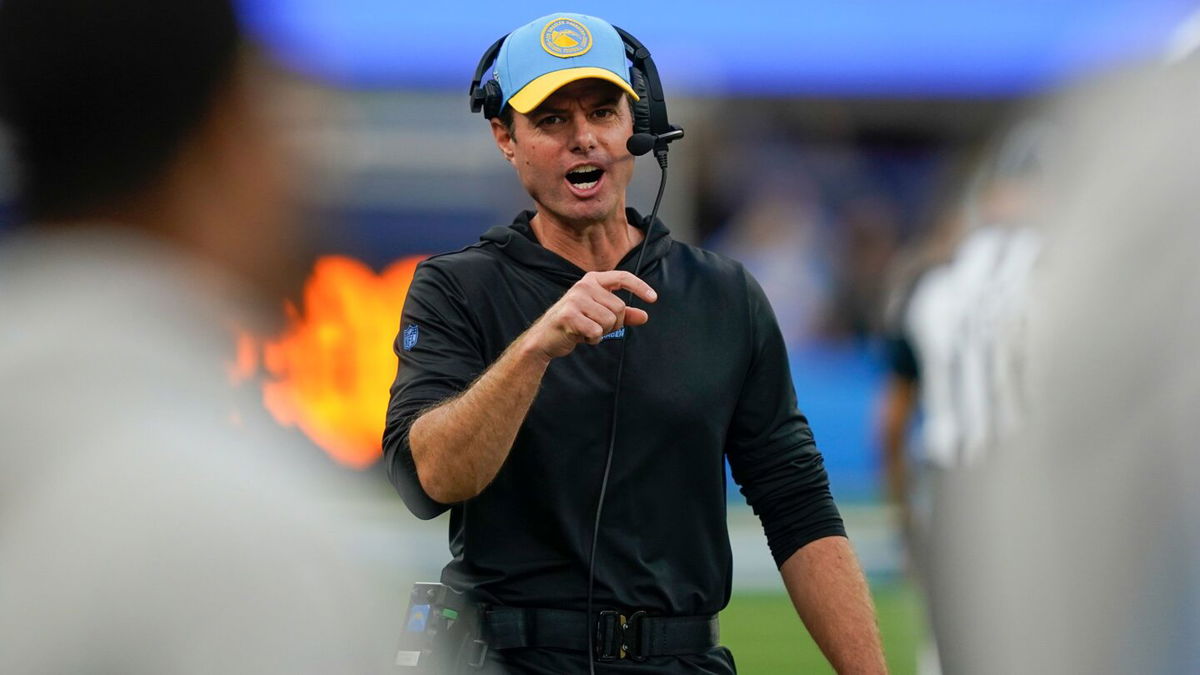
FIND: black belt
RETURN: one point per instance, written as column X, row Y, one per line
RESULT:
column 636, row 635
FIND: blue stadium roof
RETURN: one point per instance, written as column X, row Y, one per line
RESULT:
column 795, row 47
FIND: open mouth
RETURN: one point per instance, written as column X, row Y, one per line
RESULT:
column 584, row 177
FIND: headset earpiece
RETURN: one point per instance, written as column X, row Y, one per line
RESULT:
column 486, row 96
column 641, row 107
column 491, row 99
column 653, row 106
column 486, row 99
column 478, row 98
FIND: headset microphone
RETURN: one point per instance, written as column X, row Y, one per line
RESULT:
column 640, row 144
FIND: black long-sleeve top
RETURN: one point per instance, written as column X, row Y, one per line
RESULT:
column 705, row 380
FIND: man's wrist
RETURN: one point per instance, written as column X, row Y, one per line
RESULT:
column 527, row 351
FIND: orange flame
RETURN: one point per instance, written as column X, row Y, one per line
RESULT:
column 330, row 370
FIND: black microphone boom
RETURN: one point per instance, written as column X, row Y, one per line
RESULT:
column 640, row 144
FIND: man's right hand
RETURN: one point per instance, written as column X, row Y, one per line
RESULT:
column 460, row 445
column 589, row 311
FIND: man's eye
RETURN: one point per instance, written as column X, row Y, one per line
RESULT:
column 549, row 120
column 604, row 112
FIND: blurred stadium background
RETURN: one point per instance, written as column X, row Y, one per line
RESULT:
column 823, row 141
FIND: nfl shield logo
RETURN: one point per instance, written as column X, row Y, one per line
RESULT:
column 411, row 333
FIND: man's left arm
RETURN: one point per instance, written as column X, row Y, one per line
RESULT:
column 775, row 460
column 831, row 596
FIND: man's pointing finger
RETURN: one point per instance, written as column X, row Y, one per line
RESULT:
column 622, row 279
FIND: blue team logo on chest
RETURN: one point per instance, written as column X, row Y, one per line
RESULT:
column 615, row 335
column 411, row 334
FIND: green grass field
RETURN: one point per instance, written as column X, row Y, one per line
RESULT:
column 767, row 638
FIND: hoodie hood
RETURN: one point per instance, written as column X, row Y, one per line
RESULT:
column 519, row 243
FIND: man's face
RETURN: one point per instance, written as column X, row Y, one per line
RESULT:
column 570, row 154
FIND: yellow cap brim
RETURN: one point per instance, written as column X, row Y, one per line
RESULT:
column 532, row 94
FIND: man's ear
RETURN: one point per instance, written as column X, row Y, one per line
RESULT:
column 504, row 139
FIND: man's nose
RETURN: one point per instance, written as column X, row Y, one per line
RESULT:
column 584, row 135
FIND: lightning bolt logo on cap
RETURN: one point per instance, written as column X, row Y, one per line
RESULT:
column 565, row 38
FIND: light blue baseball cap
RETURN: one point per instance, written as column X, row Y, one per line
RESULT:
column 547, row 53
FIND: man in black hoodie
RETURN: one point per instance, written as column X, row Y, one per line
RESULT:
column 502, row 415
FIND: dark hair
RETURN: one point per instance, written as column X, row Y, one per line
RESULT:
column 99, row 95
column 506, row 118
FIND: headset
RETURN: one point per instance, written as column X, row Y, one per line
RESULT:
column 651, row 131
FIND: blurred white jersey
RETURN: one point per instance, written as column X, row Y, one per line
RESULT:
column 1078, row 549
column 962, row 318
column 141, row 531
